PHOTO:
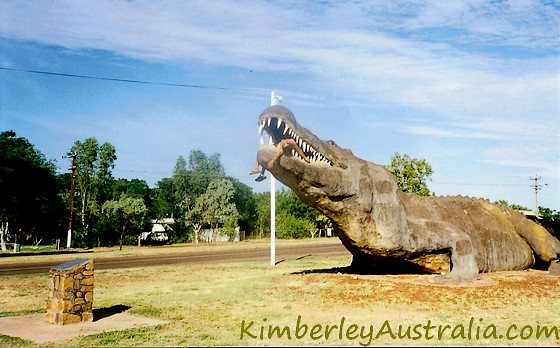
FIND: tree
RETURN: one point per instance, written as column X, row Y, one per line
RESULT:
column 550, row 219
column 134, row 187
column 163, row 199
column 549, row 214
column 262, row 222
column 94, row 163
column 127, row 211
column 201, row 163
column 412, row 174
column 294, row 219
column 290, row 226
column 191, row 181
column 246, row 206
column 30, row 204
column 180, row 165
column 186, row 187
column 195, row 217
column 214, row 208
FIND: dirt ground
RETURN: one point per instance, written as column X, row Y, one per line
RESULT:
column 487, row 291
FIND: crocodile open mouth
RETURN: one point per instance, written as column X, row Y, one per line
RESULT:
column 279, row 129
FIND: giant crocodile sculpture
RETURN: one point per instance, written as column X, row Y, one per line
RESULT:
column 387, row 230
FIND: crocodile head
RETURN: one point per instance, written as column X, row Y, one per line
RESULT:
column 308, row 180
column 352, row 192
column 280, row 123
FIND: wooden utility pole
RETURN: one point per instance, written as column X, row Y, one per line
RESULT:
column 536, row 187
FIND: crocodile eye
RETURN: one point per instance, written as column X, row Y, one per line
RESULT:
column 331, row 142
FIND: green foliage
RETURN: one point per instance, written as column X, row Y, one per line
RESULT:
column 94, row 163
column 548, row 214
column 550, row 219
column 187, row 184
column 179, row 195
column 9, row 341
column 210, row 165
column 29, row 201
column 512, row 206
column 35, row 199
column 290, row 226
column 135, row 188
column 262, row 221
column 163, row 199
column 215, row 207
column 294, row 219
column 412, row 174
column 244, row 201
column 286, row 200
column 127, row 212
column 323, row 222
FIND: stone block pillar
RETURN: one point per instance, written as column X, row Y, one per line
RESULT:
column 71, row 292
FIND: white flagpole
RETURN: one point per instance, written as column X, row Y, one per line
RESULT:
column 274, row 99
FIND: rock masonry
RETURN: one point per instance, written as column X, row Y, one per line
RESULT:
column 71, row 292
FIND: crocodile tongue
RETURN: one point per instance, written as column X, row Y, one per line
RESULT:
column 285, row 172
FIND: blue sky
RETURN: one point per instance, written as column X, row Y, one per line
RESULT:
column 471, row 86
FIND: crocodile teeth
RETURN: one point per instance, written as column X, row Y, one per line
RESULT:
column 310, row 152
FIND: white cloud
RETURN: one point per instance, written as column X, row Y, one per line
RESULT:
column 534, row 156
column 470, row 69
column 456, row 133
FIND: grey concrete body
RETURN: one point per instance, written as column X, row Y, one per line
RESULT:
column 386, row 229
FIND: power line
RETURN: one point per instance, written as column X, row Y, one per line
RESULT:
column 145, row 82
column 474, row 184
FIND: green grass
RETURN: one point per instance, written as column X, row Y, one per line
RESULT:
column 205, row 305
column 7, row 341
column 22, row 312
column 37, row 247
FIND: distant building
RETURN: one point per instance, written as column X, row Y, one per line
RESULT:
column 158, row 234
column 207, row 235
column 529, row 214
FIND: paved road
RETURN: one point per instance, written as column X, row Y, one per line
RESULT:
column 258, row 253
